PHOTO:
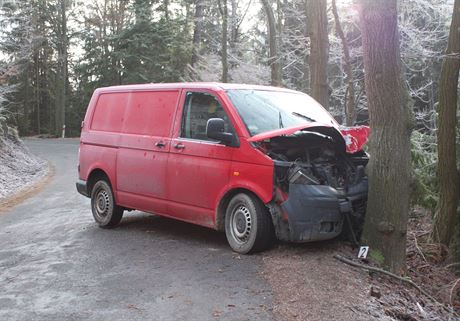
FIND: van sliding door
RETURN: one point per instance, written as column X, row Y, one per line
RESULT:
column 144, row 147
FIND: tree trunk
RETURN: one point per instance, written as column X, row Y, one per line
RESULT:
column 24, row 124
column 319, row 52
column 234, row 24
column 385, row 227
column 279, row 20
column 37, row 91
column 446, row 215
column 223, row 8
column 198, row 30
column 166, row 9
column 350, row 96
column 119, row 23
column 234, row 34
column 273, row 61
column 188, row 15
column 62, row 69
column 306, row 87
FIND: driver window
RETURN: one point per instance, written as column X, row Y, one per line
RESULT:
column 199, row 107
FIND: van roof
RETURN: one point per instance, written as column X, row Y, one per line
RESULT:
column 193, row 85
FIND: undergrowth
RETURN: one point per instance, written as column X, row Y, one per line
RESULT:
column 424, row 162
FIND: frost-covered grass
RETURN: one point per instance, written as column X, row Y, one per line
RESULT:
column 19, row 168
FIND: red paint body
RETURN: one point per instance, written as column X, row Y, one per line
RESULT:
column 355, row 137
column 131, row 134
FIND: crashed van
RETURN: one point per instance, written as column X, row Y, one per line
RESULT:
column 256, row 162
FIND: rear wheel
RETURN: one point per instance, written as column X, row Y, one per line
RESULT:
column 248, row 225
column 105, row 212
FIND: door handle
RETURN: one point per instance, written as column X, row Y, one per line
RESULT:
column 160, row 144
column 179, row 146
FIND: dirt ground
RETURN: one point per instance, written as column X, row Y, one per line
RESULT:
column 310, row 284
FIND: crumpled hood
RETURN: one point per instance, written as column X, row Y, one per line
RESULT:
column 353, row 138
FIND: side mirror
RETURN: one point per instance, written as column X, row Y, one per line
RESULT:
column 215, row 129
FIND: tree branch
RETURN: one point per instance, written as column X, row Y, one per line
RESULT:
column 405, row 280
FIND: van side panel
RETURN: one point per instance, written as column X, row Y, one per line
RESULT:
column 252, row 170
column 109, row 113
column 253, row 177
column 98, row 157
column 121, row 134
column 150, row 113
column 101, row 133
column 143, row 149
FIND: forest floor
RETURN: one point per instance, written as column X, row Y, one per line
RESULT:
column 21, row 172
column 310, row 284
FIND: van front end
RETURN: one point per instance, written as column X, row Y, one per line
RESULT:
column 320, row 187
column 318, row 212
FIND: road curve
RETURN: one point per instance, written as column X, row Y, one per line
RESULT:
column 56, row 264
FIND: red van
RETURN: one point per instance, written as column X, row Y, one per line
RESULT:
column 256, row 162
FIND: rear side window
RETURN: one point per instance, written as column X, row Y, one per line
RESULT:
column 199, row 107
column 150, row 113
column 109, row 113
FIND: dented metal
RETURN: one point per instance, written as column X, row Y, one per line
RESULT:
column 319, row 178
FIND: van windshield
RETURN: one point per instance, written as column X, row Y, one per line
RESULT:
column 263, row 110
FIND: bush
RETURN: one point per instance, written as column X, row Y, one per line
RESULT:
column 424, row 162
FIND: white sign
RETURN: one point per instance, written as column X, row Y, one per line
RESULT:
column 363, row 250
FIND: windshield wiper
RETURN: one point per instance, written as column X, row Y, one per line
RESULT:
column 281, row 120
column 303, row 116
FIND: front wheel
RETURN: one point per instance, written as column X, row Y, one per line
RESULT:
column 248, row 225
column 105, row 212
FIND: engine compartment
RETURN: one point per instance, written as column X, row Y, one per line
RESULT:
column 320, row 185
column 314, row 158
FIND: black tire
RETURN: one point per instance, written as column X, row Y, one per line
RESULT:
column 248, row 225
column 105, row 212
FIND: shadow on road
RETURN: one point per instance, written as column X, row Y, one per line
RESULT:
column 165, row 228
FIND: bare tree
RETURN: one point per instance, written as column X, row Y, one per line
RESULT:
column 198, row 30
column 319, row 51
column 274, row 59
column 350, row 93
column 223, row 9
column 389, row 167
column 62, row 47
column 166, row 9
column 446, row 215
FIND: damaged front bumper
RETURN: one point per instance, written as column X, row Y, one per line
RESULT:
column 316, row 212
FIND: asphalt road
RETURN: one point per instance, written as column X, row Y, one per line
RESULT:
column 56, row 264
